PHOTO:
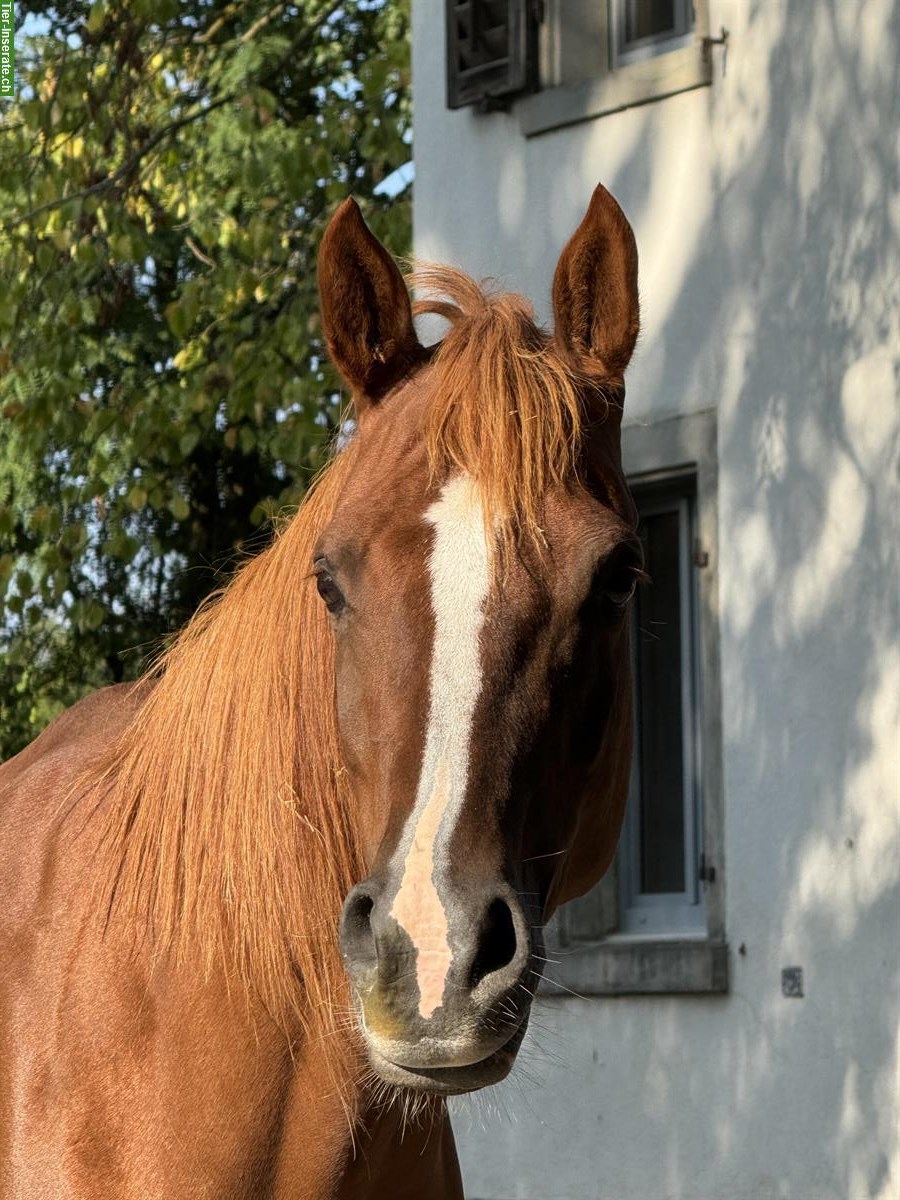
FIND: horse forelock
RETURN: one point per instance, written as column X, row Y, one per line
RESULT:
column 508, row 407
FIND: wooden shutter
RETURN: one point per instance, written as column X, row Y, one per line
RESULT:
column 491, row 51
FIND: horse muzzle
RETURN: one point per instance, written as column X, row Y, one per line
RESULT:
column 442, row 1009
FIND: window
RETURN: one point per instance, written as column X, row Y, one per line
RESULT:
column 600, row 56
column 659, row 872
column 655, row 923
column 643, row 27
column 491, row 52
column 580, row 58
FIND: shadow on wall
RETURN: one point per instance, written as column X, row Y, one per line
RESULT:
column 786, row 315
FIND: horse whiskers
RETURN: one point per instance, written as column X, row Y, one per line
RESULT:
column 556, row 983
column 382, row 1096
column 552, row 854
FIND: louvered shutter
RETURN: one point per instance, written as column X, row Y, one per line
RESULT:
column 491, row 51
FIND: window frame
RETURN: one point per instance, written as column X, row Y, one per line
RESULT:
column 583, row 76
column 621, row 54
column 668, row 913
column 589, row 952
column 493, row 85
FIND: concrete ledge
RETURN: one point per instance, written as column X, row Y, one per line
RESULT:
column 620, row 967
column 638, row 83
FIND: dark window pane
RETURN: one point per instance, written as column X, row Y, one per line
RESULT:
column 483, row 32
column 660, row 709
column 648, row 18
column 491, row 51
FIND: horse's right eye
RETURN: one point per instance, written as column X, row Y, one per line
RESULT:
column 329, row 591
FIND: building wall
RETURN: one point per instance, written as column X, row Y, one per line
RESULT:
column 766, row 213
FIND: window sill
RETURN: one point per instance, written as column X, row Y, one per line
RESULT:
column 640, row 966
column 639, row 83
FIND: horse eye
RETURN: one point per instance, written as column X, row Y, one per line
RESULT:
column 329, row 591
column 620, row 586
column 623, row 576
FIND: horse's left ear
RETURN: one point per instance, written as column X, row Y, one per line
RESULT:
column 365, row 305
column 595, row 291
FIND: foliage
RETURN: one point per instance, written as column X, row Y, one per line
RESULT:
column 166, row 174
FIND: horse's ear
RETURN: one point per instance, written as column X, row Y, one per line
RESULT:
column 365, row 305
column 595, row 293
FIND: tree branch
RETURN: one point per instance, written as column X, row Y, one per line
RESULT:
column 130, row 164
column 262, row 22
column 134, row 160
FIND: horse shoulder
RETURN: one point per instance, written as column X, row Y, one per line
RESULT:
column 43, row 897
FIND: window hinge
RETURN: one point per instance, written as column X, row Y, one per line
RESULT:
column 721, row 40
column 706, row 872
column 700, row 557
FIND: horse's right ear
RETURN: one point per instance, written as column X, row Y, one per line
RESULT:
column 595, row 293
column 365, row 305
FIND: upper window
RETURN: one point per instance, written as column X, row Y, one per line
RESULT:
column 563, row 61
column 643, row 27
column 491, row 51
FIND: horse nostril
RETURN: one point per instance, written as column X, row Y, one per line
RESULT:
column 357, row 937
column 497, row 944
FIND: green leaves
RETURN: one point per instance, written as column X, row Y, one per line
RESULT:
column 96, row 17
column 163, row 383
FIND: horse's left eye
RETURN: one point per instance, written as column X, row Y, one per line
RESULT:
column 620, row 587
column 623, row 575
column 329, row 591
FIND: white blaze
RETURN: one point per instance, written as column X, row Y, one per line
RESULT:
column 459, row 567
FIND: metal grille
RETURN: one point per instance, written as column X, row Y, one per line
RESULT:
column 491, row 51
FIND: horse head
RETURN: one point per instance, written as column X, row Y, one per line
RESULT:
column 477, row 569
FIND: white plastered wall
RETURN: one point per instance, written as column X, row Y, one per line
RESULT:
column 766, row 212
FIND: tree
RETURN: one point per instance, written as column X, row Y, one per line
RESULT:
column 166, row 173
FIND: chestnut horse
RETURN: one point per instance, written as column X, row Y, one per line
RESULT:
column 400, row 737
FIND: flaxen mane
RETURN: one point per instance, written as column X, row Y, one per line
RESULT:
column 229, row 831
column 229, row 834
